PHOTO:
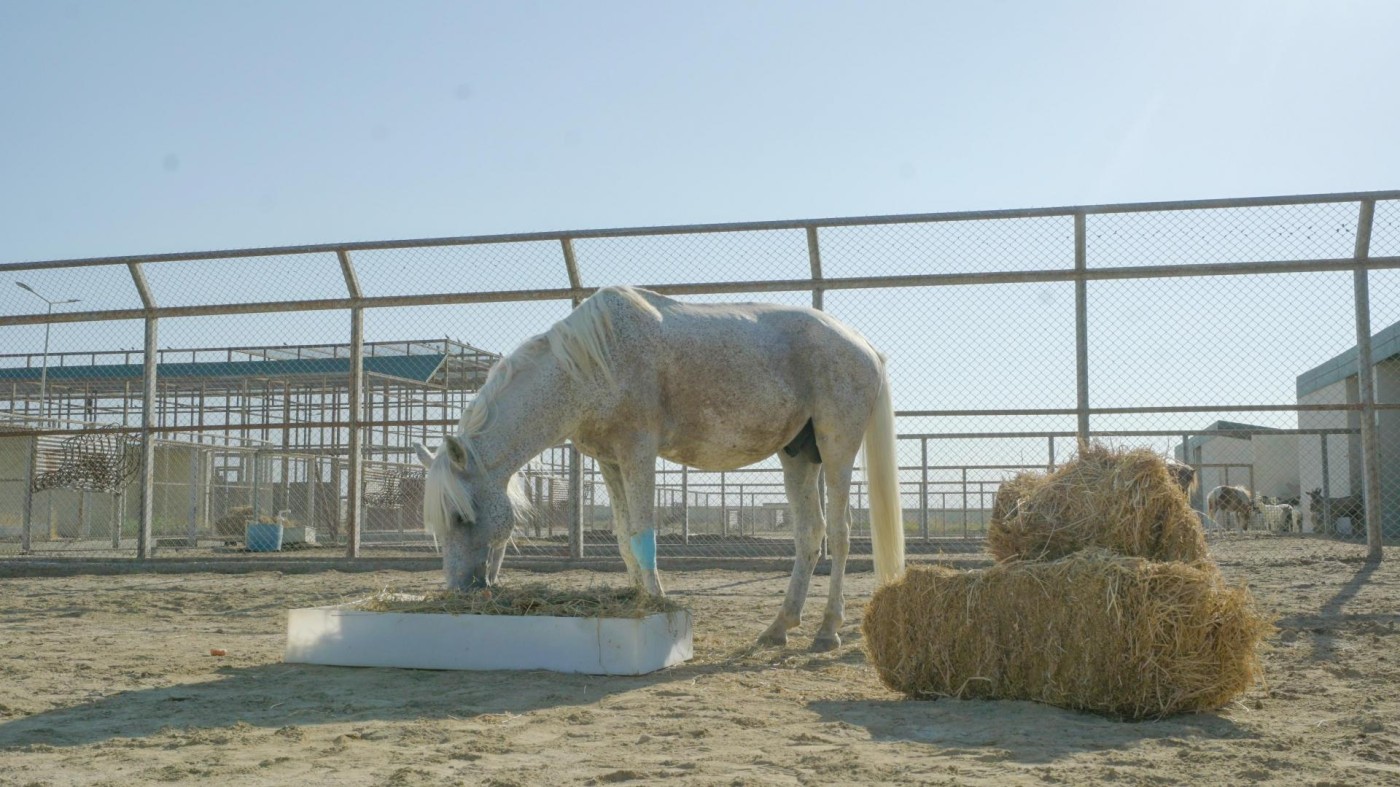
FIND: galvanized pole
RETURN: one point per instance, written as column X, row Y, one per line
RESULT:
column 1081, row 328
column 964, row 501
column 355, row 416
column 723, row 507
column 923, row 487
column 1370, row 439
column 26, row 538
column 814, row 259
column 576, row 530
column 144, row 540
column 685, row 504
column 1326, row 489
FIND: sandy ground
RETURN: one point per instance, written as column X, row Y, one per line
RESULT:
column 108, row 680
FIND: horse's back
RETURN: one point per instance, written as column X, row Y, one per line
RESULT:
column 745, row 374
column 773, row 334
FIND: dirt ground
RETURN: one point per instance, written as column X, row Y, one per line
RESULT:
column 109, row 680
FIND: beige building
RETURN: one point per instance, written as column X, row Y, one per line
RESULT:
column 1234, row 454
column 1332, row 462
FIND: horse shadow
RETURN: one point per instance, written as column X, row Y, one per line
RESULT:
column 1030, row 733
column 278, row 695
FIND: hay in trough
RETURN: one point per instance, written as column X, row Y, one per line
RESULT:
column 1095, row 631
column 230, row 525
column 1124, row 501
column 529, row 599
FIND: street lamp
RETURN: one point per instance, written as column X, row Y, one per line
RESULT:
column 44, row 373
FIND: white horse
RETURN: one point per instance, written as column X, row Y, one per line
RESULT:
column 629, row 376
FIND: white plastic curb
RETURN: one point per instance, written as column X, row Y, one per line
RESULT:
column 347, row 636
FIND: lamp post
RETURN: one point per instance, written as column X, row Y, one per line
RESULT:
column 44, row 372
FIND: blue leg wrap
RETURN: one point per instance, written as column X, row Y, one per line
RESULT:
column 644, row 549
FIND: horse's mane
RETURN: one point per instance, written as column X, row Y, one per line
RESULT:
column 580, row 344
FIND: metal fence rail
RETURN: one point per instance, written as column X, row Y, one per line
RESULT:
column 1007, row 330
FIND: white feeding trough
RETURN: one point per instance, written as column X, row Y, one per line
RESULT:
column 351, row 636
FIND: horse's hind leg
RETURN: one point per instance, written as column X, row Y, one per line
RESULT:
column 838, row 539
column 800, row 477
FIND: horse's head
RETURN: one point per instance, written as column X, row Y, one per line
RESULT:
column 471, row 513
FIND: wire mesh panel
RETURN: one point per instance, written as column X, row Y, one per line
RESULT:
column 708, row 257
column 292, row 386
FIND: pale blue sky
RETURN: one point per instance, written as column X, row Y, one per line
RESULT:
column 135, row 127
column 148, row 127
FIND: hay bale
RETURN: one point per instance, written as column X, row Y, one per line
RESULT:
column 1095, row 631
column 535, row 598
column 1010, row 494
column 1125, row 501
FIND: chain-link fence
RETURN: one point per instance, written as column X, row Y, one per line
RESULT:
column 184, row 404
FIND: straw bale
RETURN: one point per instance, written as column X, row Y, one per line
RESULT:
column 1122, row 636
column 1123, row 500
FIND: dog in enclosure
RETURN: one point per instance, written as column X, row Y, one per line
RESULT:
column 1233, row 500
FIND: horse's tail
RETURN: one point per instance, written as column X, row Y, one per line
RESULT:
column 882, row 476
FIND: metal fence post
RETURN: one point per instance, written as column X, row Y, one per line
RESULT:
column 1370, row 440
column 192, row 526
column 964, row 501
column 814, row 258
column 923, row 487
column 1081, row 328
column 685, row 504
column 354, row 508
column 26, row 538
column 144, row 536
column 723, row 507
column 354, row 492
column 576, row 529
column 1326, row 488
column 576, row 532
column 145, row 541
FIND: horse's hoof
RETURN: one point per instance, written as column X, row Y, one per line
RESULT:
column 772, row 639
column 824, row 644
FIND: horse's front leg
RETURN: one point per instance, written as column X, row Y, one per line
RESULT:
column 617, row 492
column 639, row 483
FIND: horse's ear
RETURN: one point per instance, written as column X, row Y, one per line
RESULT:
column 424, row 455
column 456, row 451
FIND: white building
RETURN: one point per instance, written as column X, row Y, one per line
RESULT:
column 1334, row 464
column 1255, row 458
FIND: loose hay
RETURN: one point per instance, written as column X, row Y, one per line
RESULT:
column 1094, row 631
column 1124, row 501
column 230, row 525
column 530, row 599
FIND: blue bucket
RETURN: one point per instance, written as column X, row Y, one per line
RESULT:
column 260, row 537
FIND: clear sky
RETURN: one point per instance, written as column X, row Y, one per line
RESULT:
column 163, row 126
column 135, row 127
